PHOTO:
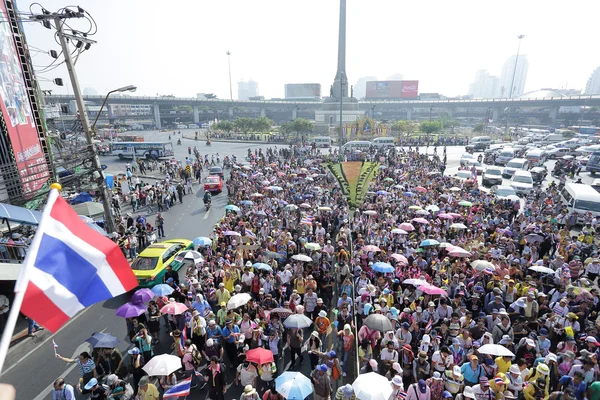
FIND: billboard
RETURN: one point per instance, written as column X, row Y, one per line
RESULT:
column 18, row 114
column 392, row 90
column 303, row 91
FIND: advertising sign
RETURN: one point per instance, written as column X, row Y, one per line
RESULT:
column 18, row 114
column 410, row 89
column 384, row 90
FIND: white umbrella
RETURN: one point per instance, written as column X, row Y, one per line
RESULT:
column 415, row 282
column 372, row 386
column 370, row 212
column 298, row 321
column 481, row 265
column 191, row 255
column 458, row 226
column 162, row 365
column 542, row 269
column 495, row 350
column 302, row 257
column 399, row 231
column 422, row 212
column 454, row 189
column 238, row 300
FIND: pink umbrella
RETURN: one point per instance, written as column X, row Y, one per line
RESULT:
column 370, row 247
column 459, row 252
column 407, row 226
column 305, row 205
column 455, row 215
column 174, row 308
column 445, row 216
column 420, row 189
column 420, row 220
column 432, row 290
column 400, row 258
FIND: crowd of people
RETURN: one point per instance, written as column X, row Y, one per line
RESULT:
column 442, row 290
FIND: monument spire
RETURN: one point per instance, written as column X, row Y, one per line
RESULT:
column 340, row 84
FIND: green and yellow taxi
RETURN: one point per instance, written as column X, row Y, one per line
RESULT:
column 151, row 264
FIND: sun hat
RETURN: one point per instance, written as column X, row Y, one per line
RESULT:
column 514, row 369
column 396, row 367
column 91, row 383
column 144, row 380
column 456, row 371
column 111, row 379
column 314, row 333
column 593, row 340
column 322, row 367
column 437, row 376
column 373, row 363
column 542, row 369
column 447, row 394
column 332, row 354
column 210, row 342
column 468, row 392
column 529, row 342
column 322, row 314
column 570, row 354
column 134, row 351
column 397, row 380
column 249, row 390
column 551, row 357
column 483, row 381
column 347, row 390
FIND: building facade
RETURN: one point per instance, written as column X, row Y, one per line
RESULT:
column 593, row 83
column 519, row 73
column 247, row 89
column 485, row 86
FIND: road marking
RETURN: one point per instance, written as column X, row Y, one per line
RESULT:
column 81, row 348
column 207, row 213
column 44, row 342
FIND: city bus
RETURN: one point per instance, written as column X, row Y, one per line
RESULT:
column 150, row 150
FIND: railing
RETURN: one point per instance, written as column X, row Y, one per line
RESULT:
column 13, row 253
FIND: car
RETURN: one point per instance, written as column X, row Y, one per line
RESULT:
column 514, row 165
column 466, row 178
column 522, row 182
column 502, row 192
column 558, row 152
column 492, row 176
column 216, row 171
column 583, row 159
column 213, row 184
column 478, row 166
column 465, row 157
column 149, row 267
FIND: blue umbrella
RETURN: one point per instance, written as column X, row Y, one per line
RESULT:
column 383, row 192
column 429, row 242
column 293, row 385
column 231, row 207
column 162, row 290
column 102, row 340
column 409, row 194
column 383, row 267
column 202, row 241
column 263, row 266
column 246, row 202
column 243, row 175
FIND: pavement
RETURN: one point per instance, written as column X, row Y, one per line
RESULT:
column 31, row 365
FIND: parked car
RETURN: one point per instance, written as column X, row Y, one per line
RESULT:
column 502, row 192
column 491, row 176
column 522, row 182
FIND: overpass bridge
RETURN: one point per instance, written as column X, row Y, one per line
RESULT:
column 167, row 108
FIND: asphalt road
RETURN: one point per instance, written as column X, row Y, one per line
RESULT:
column 31, row 366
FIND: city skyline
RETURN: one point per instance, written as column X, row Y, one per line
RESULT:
column 141, row 51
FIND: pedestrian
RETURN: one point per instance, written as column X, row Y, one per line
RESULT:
column 418, row 391
column 118, row 389
column 87, row 367
column 216, row 380
column 321, row 383
column 136, row 363
column 160, row 225
column 132, row 243
column 147, row 390
column 295, row 342
column 62, row 390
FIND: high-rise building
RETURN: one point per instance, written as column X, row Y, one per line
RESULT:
column 360, row 88
column 485, row 86
column 593, row 83
column 247, row 89
column 519, row 73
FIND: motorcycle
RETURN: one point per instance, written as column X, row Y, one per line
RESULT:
column 208, row 143
column 179, row 142
column 207, row 204
column 189, row 150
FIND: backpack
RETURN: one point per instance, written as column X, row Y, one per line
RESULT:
column 335, row 372
column 196, row 356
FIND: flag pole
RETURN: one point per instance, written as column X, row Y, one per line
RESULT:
column 23, row 281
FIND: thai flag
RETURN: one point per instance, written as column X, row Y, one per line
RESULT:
column 250, row 234
column 182, row 340
column 69, row 267
column 273, row 180
column 403, row 176
column 429, row 325
column 402, row 395
column 182, row 389
column 254, row 175
column 307, row 220
column 54, row 344
column 499, row 381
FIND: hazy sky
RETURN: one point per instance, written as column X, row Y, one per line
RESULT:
column 178, row 46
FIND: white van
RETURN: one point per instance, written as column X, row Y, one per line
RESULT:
column 536, row 157
column 553, row 138
column 321, row 141
column 514, row 165
column 354, row 145
column 581, row 199
column 182, row 126
column 505, row 155
column 384, row 142
column 481, row 143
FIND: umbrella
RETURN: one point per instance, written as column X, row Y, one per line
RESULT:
column 162, row 365
column 567, row 157
column 533, row 237
column 415, row 208
column 313, row 246
column 102, row 340
column 388, row 180
column 263, row 267
column 495, row 350
column 246, row 202
column 409, row 194
column 370, row 212
column 372, row 386
column 231, row 207
column 90, row 209
column 202, row 241
column 414, row 282
column 272, row 254
column 370, row 247
column 433, row 290
column 432, row 208
column 420, row 189
column 458, row 226
column 256, row 195
column 191, row 255
column 446, row 245
column 298, row 321
column 400, row 258
column 399, row 231
column 324, row 208
column 422, row 212
column 542, row 269
column 407, row 226
column 445, row 216
column 482, row 265
column 459, row 252
column 383, row 267
column 142, row 295
column 382, row 192
column 379, row 322
column 238, row 300
column 130, row 310
column 276, row 188
column 162, row 290
column 290, row 207
column 302, row 257
column 465, row 203
column 231, row 233
column 282, row 312
column 506, row 232
column 259, row 355
column 92, row 224
column 429, row 242
column 174, row 308
column 293, row 385
column 305, row 205
column 455, row 215
column 454, row 189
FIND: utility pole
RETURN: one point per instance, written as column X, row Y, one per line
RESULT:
column 341, row 108
column 512, row 85
column 229, row 64
column 85, row 123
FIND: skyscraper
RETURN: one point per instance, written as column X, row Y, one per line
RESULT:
column 593, row 83
column 247, row 89
column 519, row 73
column 485, row 86
column 360, row 87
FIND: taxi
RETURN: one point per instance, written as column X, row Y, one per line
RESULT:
column 150, row 265
column 213, row 183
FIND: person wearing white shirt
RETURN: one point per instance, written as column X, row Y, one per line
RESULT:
column 285, row 275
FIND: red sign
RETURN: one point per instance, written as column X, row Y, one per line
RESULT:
column 410, row 89
column 18, row 114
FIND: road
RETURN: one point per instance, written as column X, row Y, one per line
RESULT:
column 31, row 366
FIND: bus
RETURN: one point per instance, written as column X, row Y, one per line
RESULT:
column 149, row 150
column 321, row 141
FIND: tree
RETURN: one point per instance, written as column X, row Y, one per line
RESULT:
column 244, row 124
column 479, row 128
column 226, row 126
column 300, row 126
column 262, row 124
column 430, row 127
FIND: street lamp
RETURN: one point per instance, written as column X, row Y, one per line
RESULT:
column 229, row 65
column 430, row 110
column 512, row 83
column 341, row 106
column 129, row 88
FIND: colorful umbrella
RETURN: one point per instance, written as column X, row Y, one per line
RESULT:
column 370, row 247
column 293, row 385
column 130, row 310
column 383, row 267
column 313, row 246
column 162, row 289
column 400, row 258
column 142, row 295
column 420, row 221
column 429, row 242
column 433, row 290
column 407, row 226
column 174, row 308
column 231, row 207
column 202, row 241
column 259, row 356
